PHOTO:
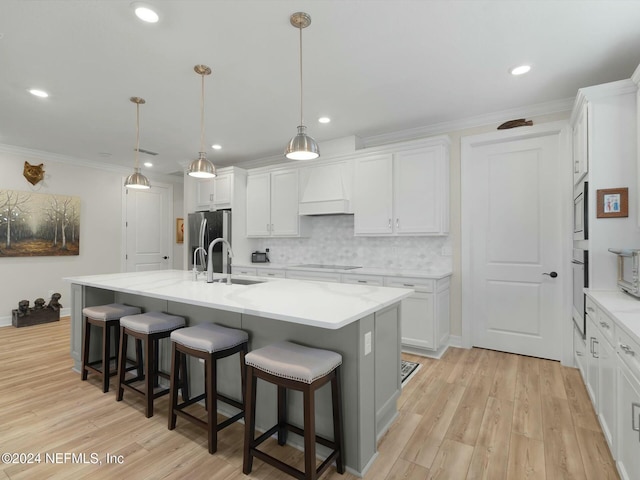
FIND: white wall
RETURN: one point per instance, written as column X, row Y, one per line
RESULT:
column 100, row 192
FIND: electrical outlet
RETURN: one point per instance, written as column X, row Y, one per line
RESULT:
column 367, row 343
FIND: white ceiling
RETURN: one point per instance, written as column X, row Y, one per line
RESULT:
column 374, row 67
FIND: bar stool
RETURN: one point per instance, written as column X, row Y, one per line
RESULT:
column 147, row 328
column 209, row 342
column 106, row 317
column 293, row 366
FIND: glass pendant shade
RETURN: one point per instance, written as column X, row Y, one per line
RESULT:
column 202, row 168
column 302, row 146
column 137, row 180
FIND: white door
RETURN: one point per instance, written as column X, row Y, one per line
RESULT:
column 148, row 228
column 512, row 224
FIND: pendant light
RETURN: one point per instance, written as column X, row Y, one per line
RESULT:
column 201, row 167
column 136, row 179
column 302, row 146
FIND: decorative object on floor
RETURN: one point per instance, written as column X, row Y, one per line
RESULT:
column 302, row 146
column 38, row 224
column 201, row 167
column 136, row 179
column 407, row 370
column 24, row 316
column 612, row 202
column 33, row 173
column 520, row 122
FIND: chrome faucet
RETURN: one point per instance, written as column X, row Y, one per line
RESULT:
column 196, row 272
column 210, row 260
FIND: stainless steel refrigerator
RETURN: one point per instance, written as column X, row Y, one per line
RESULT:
column 204, row 228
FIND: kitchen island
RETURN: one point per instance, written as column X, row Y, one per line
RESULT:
column 359, row 322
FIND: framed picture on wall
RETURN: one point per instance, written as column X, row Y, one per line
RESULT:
column 179, row 230
column 612, row 203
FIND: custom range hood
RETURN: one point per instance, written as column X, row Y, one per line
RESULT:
column 326, row 189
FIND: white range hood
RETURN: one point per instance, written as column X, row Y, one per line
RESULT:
column 326, row 189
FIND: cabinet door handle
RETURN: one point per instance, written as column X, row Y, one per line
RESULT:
column 397, row 224
column 579, row 354
column 590, row 309
column 389, row 224
column 627, row 349
column 604, row 325
column 362, row 281
column 633, row 418
column 272, row 228
column 408, row 284
column 211, row 197
column 576, row 168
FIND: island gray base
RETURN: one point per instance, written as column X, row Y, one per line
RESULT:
column 370, row 383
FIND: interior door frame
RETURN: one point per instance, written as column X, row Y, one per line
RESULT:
column 563, row 130
column 123, row 223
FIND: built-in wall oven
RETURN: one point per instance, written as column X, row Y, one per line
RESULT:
column 580, row 267
column 580, row 218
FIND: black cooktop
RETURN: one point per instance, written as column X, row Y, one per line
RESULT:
column 328, row 267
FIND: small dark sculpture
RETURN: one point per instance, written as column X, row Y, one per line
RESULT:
column 39, row 304
column 520, row 122
column 53, row 304
column 33, row 173
column 23, row 308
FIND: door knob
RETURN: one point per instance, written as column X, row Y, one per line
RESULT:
column 165, row 257
column 552, row 274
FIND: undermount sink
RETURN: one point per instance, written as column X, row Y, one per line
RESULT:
column 244, row 281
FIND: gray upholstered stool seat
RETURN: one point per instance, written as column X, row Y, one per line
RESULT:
column 295, row 362
column 106, row 317
column 291, row 366
column 209, row 342
column 147, row 329
column 152, row 322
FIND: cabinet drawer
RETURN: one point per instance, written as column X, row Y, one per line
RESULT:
column 425, row 285
column 607, row 327
column 363, row 279
column 629, row 351
column 243, row 271
column 270, row 272
column 317, row 276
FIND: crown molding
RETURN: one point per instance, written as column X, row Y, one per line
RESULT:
column 600, row 91
column 55, row 157
column 563, row 105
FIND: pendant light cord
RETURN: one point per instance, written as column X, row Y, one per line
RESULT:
column 301, row 117
column 137, row 133
column 202, row 115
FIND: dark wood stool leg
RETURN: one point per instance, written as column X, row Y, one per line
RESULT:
column 149, row 380
column 85, row 348
column 156, row 362
column 336, row 395
column 122, row 364
column 173, row 384
column 116, row 346
column 309, row 433
column 210, row 365
column 184, row 383
column 139, row 363
column 106, row 356
column 282, row 415
column 249, row 420
column 243, row 373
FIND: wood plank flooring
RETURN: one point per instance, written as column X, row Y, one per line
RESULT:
column 474, row 414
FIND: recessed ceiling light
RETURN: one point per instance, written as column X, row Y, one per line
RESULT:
column 216, row 146
column 38, row 93
column 145, row 12
column 324, row 119
column 520, row 69
column 148, row 164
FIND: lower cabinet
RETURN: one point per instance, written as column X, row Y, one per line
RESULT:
column 424, row 315
column 580, row 352
column 628, row 454
column 592, row 365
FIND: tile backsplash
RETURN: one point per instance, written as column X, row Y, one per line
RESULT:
column 331, row 241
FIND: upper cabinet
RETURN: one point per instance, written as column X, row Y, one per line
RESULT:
column 403, row 193
column 216, row 193
column 636, row 78
column 272, row 204
column 580, row 144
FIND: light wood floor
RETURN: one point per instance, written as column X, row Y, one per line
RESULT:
column 473, row 414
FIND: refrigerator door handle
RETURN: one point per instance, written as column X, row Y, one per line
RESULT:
column 203, row 229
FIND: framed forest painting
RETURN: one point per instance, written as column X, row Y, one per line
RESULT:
column 38, row 224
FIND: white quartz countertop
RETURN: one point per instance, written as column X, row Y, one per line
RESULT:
column 624, row 307
column 317, row 304
column 436, row 274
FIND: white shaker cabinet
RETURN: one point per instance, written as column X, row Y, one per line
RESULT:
column 214, row 193
column 404, row 193
column 628, row 457
column 424, row 315
column 272, row 204
column 580, row 144
column 204, row 194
